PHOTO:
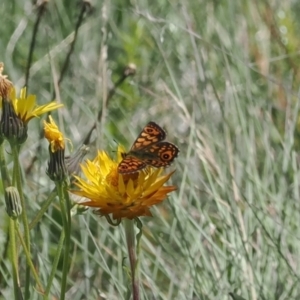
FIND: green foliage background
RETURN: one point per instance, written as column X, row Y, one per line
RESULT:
column 223, row 78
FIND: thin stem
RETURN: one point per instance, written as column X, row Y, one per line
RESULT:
column 84, row 7
column 4, row 172
column 18, row 183
column 130, row 239
column 13, row 258
column 41, row 10
column 54, row 265
column 27, row 254
column 66, row 218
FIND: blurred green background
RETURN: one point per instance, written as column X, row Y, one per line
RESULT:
column 222, row 77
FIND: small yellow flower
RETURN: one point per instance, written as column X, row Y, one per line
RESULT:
column 26, row 108
column 123, row 196
column 53, row 135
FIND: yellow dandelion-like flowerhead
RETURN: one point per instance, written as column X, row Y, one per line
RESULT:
column 53, row 135
column 26, row 108
column 122, row 196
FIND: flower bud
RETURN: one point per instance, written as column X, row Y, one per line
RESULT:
column 57, row 170
column 13, row 202
column 11, row 126
column 129, row 70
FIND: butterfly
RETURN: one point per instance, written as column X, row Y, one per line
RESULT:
column 149, row 149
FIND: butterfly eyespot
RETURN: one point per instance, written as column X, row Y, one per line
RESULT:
column 166, row 156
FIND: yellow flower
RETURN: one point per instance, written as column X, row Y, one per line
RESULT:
column 53, row 135
column 123, row 196
column 26, row 108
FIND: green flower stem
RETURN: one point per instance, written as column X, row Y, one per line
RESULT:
column 66, row 218
column 130, row 239
column 13, row 258
column 12, row 237
column 43, row 209
column 4, row 172
column 30, row 264
column 17, row 181
column 138, row 240
column 55, row 263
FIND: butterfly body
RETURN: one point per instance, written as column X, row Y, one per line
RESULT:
column 149, row 149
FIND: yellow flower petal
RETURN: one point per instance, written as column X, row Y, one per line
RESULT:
column 26, row 107
column 53, row 135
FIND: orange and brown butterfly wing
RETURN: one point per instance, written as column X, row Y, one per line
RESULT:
column 164, row 152
column 148, row 149
column 151, row 134
column 130, row 164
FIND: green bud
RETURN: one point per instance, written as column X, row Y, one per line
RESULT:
column 13, row 202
